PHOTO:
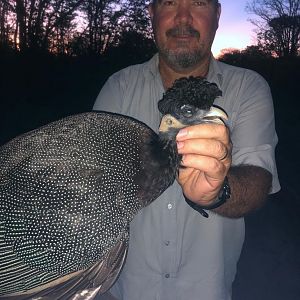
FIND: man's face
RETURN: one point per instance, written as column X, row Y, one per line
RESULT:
column 184, row 30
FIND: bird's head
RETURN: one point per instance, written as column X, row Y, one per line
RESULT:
column 188, row 102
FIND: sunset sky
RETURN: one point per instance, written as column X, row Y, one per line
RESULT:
column 235, row 31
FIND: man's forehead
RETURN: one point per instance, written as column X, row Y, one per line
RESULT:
column 160, row 1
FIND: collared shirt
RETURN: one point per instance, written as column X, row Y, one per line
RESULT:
column 174, row 252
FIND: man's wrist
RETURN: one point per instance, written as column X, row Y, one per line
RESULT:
column 223, row 196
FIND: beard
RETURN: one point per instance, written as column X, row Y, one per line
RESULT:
column 182, row 57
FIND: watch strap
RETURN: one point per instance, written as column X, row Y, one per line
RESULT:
column 223, row 196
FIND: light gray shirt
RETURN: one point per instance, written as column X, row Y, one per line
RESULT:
column 174, row 252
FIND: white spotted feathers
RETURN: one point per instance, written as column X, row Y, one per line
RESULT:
column 67, row 195
column 69, row 190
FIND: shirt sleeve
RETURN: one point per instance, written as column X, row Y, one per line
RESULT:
column 109, row 98
column 253, row 133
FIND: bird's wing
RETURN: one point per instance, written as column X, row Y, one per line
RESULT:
column 82, row 285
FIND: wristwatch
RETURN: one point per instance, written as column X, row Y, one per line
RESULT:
column 223, row 196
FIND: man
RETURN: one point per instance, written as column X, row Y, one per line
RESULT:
column 174, row 252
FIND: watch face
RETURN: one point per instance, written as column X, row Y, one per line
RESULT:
column 226, row 191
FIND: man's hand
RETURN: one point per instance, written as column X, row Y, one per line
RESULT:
column 206, row 150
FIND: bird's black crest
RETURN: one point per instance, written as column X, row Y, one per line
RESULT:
column 196, row 91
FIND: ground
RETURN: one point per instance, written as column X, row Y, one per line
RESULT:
column 269, row 267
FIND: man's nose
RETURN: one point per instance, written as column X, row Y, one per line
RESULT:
column 183, row 15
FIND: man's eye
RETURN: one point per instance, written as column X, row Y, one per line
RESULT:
column 200, row 3
column 168, row 3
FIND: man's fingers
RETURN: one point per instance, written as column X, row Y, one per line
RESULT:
column 204, row 147
column 213, row 167
column 204, row 131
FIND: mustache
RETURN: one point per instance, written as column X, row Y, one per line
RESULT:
column 179, row 31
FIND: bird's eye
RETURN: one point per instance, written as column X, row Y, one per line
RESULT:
column 187, row 110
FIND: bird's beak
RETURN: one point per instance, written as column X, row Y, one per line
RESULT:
column 215, row 115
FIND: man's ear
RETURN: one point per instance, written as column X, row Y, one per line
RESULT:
column 150, row 10
column 219, row 9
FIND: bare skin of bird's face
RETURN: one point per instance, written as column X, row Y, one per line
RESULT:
column 214, row 115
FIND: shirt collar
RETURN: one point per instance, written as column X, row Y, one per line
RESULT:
column 152, row 66
column 215, row 73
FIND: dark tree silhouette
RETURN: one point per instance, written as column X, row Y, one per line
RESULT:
column 137, row 17
column 278, row 26
column 286, row 30
column 39, row 24
column 103, row 21
column 5, row 29
column 133, row 47
column 71, row 27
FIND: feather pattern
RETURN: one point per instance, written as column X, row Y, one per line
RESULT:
column 69, row 200
column 69, row 189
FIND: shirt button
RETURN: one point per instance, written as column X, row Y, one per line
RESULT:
column 170, row 206
column 167, row 275
column 167, row 243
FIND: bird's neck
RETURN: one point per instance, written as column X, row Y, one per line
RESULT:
column 169, row 145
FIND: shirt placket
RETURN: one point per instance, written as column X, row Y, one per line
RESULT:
column 169, row 236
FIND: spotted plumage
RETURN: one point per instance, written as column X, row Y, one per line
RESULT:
column 68, row 192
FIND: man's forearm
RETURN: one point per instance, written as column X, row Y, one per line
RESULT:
column 250, row 186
